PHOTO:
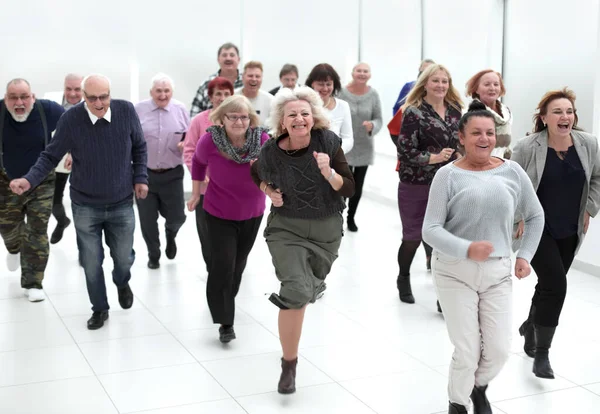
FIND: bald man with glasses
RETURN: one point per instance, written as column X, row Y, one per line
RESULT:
column 109, row 155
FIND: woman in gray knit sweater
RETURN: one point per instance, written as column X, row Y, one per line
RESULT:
column 365, row 109
column 469, row 222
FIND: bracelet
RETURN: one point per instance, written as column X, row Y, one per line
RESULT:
column 332, row 175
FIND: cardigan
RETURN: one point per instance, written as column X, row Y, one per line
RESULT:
column 531, row 151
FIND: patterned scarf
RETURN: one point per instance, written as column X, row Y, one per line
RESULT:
column 242, row 155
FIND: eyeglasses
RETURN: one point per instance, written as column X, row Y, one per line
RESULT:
column 234, row 118
column 94, row 98
column 15, row 98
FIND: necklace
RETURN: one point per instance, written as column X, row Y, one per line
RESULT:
column 292, row 152
column 325, row 105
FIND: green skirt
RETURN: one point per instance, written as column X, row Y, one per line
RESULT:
column 303, row 251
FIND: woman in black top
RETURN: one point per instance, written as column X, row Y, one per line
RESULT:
column 564, row 165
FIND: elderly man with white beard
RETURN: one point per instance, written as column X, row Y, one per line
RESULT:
column 26, row 125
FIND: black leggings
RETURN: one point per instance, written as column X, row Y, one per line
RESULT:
column 406, row 254
column 551, row 263
column 359, row 180
column 59, row 188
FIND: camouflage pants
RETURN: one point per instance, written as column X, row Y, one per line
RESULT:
column 27, row 236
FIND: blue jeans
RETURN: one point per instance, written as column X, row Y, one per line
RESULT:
column 118, row 222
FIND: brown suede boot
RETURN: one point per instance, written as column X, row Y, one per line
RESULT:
column 287, row 381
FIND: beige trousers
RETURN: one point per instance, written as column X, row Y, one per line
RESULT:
column 476, row 298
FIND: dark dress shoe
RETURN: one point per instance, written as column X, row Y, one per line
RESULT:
column 153, row 264
column 226, row 333
column 125, row 296
column 287, row 380
column 171, row 250
column 97, row 320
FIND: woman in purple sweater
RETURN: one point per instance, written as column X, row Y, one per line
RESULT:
column 234, row 206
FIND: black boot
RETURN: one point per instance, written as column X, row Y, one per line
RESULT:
column 527, row 331
column 287, row 380
column 454, row 408
column 481, row 404
column 62, row 222
column 543, row 341
column 351, row 224
column 404, row 289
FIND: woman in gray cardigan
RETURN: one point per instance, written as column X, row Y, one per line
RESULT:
column 563, row 164
column 365, row 108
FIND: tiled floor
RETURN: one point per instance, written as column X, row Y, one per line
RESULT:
column 362, row 351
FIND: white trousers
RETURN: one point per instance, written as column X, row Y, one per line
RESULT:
column 476, row 298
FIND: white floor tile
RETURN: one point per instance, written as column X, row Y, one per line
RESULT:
column 78, row 304
column 257, row 374
column 128, row 354
column 44, row 364
column 33, row 334
column 252, row 339
column 595, row 388
column 192, row 316
column 71, row 396
column 320, row 399
column 21, row 310
column 574, row 400
column 161, row 388
column 213, row 407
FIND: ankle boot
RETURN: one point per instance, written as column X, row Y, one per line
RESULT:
column 481, row 404
column 351, row 224
column 287, row 381
column 454, row 408
column 404, row 289
column 527, row 331
column 543, row 341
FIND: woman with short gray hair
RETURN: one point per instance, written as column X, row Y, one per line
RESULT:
column 305, row 174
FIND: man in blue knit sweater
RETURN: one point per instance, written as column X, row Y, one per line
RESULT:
column 109, row 155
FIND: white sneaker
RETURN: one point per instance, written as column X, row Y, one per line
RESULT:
column 35, row 295
column 13, row 261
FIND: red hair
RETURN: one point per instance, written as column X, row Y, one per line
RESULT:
column 219, row 83
column 473, row 83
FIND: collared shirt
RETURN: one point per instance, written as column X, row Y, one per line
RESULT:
column 202, row 102
column 163, row 130
column 94, row 118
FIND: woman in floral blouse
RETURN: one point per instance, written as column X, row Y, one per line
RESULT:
column 428, row 140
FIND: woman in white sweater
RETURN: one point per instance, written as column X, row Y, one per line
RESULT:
column 469, row 222
column 487, row 86
column 326, row 82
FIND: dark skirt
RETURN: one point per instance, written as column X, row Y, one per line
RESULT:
column 412, row 203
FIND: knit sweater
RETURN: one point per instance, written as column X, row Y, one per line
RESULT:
column 108, row 157
column 306, row 193
column 363, row 108
column 467, row 206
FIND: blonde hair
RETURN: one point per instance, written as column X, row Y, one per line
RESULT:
column 253, row 64
column 417, row 93
column 234, row 103
column 301, row 93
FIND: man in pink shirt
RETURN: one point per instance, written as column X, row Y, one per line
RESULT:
column 219, row 89
column 164, row 122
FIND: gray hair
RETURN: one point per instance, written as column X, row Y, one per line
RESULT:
column 16, row 81
column 301, row 93
column 161, row 77
column 73, row 76
column 95, row 76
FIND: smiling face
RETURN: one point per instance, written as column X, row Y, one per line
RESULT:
column 361, row 73
column 218, row 96
column 297, row 119
column 19, row 101
column 437, row 85
column 323, row 88
column 478, row 138
column 236, row 123
column 252, row 80
column 73, row 91
column 489, row 88
column 161, row 93
column 228, row 59
column 97, row 96
column 560, row 117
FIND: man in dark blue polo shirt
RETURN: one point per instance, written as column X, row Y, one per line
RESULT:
column 26, row 125
column 109, row 155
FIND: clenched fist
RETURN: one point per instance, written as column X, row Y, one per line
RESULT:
column 479, row 251
column 20, row 186
column 323, row 163
column 141, row 190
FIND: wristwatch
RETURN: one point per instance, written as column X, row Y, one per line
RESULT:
column 332, row 175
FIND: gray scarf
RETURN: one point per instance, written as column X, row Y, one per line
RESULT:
column 244, row 155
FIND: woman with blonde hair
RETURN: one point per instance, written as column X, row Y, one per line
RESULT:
column 305, row 174
column 428, row 140
column 563, row 164
column 233, row 205
column 487, row 87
